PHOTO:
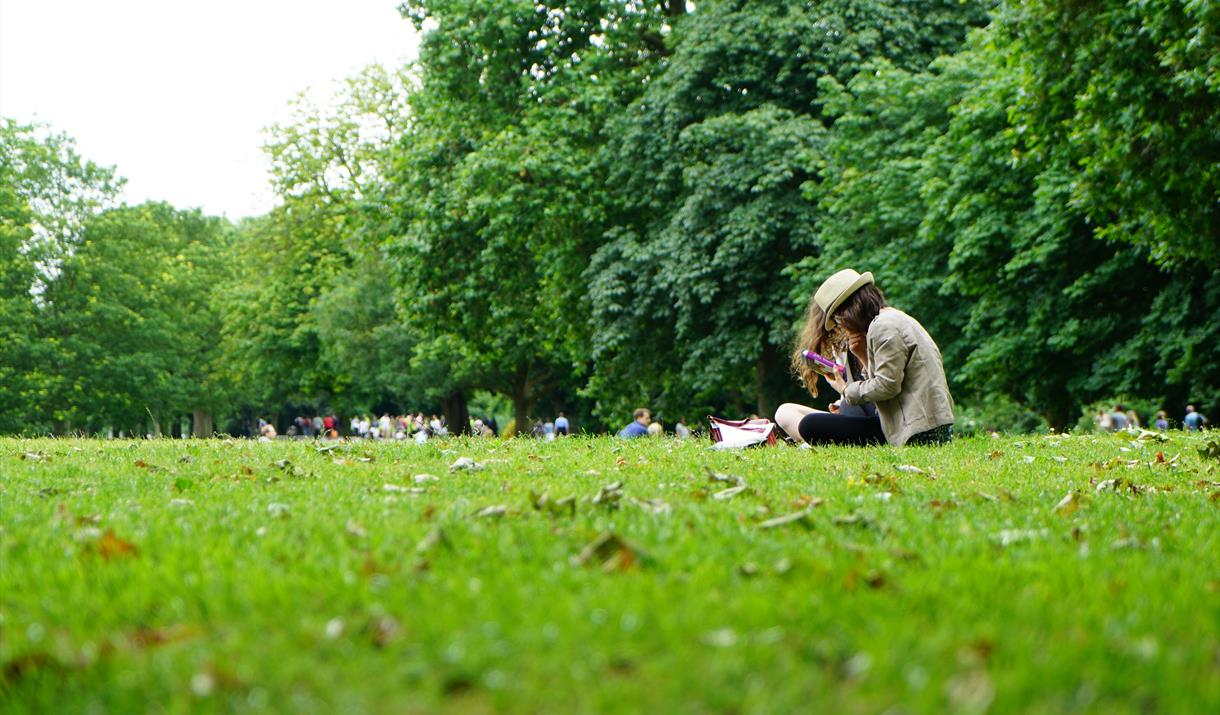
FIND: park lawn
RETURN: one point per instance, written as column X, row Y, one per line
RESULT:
column 293, row 576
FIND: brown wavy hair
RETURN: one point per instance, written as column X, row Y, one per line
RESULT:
column 858, row 311
column 813, row 336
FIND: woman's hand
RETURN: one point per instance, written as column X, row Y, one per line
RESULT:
column 858, row 344
column 836, row 381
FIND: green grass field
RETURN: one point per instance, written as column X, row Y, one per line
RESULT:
column 1021, row 574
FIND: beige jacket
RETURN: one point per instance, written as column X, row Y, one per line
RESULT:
column 907, row 378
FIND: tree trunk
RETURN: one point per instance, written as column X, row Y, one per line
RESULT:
column 201, row 424
column 521, row 401
column 457, row 414
column 761, row 369
column 773, row 382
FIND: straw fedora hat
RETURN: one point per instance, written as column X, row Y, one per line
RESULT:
column 837, row 289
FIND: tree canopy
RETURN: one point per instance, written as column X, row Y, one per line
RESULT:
column 597, row 205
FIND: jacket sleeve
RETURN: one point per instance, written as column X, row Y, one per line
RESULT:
column 889, row 353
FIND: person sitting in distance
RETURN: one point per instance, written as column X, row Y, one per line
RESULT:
column 638, row 427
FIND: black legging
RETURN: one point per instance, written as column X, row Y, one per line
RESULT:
column 829, row 428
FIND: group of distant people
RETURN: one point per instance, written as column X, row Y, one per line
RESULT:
column 417, row 426
column 642, row 425
column 411, row 426
column 1119, row 419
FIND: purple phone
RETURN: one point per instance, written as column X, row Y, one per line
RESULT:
column 822, row 364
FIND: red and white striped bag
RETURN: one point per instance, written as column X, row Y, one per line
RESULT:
column 731, row 434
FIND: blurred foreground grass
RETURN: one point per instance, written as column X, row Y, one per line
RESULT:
column 1031, row 574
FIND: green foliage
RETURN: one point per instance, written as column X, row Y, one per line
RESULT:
column 287, row 259
column 47, row 192
column 596, row 205
column 710, row 211
column 501, row 201
column 1126, row 94
column 930, row 178
column 313, row 313
column 132, row 317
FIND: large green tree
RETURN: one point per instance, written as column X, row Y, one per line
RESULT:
column 132, row 315
column 312, row 264
column 1127, row 95
column 709, row 167
column 47, row 193
column 501, row 195
column 936, row 181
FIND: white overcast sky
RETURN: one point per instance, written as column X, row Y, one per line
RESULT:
column 175, row 94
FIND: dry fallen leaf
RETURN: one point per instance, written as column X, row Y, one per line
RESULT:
column 853, row 519
column 1008, row 537
column 554, row 507
column 726, row 478
column 382, row 630
column 148, row 637
column 610, row 495
column 433, row 539
column 494, row 511
column 610, row 552
column 1069, row 503
column 1120, row 485
column 652, row 506
column 798, row 517
column 729, row 493
column 111, row 546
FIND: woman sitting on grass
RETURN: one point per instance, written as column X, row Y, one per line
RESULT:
column 894, row 389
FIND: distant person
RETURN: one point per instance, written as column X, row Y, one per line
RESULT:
column 1103, row 421
column 656, row 429
column 1162, row 420
column 681, row 431
column 384, row 426
column 638, row 427
column 1194, row 420
column 266, row 431
column 1133, row 419
column 1118, row 419
column 548, row 430
column 317, row 424
column 561, row 426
